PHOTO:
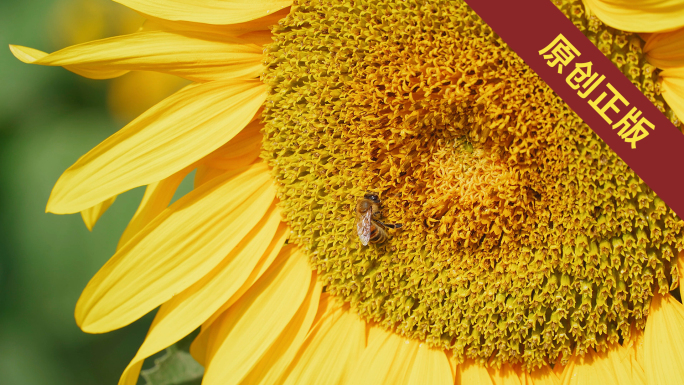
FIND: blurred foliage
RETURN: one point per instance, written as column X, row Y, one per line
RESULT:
column 48, row 118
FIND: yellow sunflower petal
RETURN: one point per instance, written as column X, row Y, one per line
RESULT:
column 506, row 375
column 623, row 368
column 275, row 361
column 578, row 371
column 240, row 29
column 636, row 371
column 91, row 215
column 390, row 359
column 680, row 270
column 240, row 151
column 180, row 246
column 204, row 173
column 665, row 50
column 470, row 372
column 672, row 88
column 559, row 367
column 282, row 251
column 195, row 56
column 260, row 38
column 386, row 360
column 453, row 363
column 330, row 351
column 186, row 311
column 431, row 366
column 633, row 353
column 178, row 131
column 639, row 16
column 542, row 376
column 208, row 11
column 30, row 56
column 157, row 197
column 246, row 331
column 664, row 341
column 597, row 368
column 26, row 54
column 198, row 349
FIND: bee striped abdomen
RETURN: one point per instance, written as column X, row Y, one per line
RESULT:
column 378, row 235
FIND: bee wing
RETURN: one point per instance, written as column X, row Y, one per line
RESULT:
column 363, row 227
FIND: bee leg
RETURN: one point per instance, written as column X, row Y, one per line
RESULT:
column 390, row 226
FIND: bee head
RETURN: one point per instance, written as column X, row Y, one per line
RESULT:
column 372, row 196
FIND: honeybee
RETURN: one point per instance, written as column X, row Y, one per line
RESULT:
column 368, row 224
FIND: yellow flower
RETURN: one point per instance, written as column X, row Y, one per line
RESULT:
column 529, row 252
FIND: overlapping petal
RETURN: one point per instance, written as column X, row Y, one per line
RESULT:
column 157, row 197
column 664, row 341
column 632, row 353
column 639, row 15
column 273, row 363
column 175, row 250
column 430, row 367
column 672, row 88
column 198, row 349
column 259, row 270
column 680, row 270
column 240, row 151
column 559, row 366
column 330, row 351
column 91, row 215
column 626, row 369
column 541, row 376
column 249, row 328
column 170, row 136
column 204, row 173
column 260, row 25
column 506, row 375
column 208, row 11
column 471, row 372
column 227, row 282
column 665, row 50
column 599, row 368
column 390, row 359
column 196, row 56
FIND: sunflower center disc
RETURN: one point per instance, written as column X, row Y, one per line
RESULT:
column 524, row 236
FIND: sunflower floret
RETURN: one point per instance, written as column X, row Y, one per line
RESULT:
column 524, row 236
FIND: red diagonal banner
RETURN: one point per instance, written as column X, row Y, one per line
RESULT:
column 595, row 89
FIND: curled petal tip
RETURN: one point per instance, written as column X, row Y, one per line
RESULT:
column 26, row 54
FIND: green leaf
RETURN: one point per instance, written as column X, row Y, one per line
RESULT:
column 176, row 367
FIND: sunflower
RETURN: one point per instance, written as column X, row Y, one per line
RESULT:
column 528, row 252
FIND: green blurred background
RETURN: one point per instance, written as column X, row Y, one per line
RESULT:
column 48, row 118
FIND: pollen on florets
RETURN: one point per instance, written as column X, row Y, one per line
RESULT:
column 524, row 236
